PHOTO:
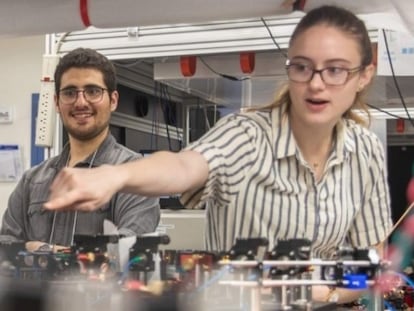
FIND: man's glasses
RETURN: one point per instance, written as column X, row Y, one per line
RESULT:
column 300, row 72
column 92, row 94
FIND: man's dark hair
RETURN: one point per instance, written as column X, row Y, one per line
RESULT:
column 88, row 59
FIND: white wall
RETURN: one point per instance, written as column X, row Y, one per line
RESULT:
column 20, row 73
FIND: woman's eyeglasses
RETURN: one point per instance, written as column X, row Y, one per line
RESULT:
column 299, row 72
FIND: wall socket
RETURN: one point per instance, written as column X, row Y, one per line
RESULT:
column 46, row 114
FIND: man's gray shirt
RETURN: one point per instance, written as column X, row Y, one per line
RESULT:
column 25, row 219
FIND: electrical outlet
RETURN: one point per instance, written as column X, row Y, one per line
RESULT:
column 46, row 114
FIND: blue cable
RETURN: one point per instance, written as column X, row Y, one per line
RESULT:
column 127, row 266
column 388, row 306
column 405, row 278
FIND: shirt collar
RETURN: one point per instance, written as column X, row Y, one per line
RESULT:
column 98, row 160
column 285, row 143
column 345, row 142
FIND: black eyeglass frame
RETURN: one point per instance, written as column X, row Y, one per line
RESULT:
column 349, row 71
column 85, row 89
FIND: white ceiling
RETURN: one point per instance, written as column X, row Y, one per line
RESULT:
column 27, row 17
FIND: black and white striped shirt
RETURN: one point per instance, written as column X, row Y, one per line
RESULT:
column 259, row 185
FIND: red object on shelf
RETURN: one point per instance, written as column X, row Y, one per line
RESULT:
column 188, row 65
column 410, row 187
column 400, row 126
column 247, row 61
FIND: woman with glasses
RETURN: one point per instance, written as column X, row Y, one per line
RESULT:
column 86, row 95
column 304, row 166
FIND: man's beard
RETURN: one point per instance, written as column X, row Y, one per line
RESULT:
column 88, row 135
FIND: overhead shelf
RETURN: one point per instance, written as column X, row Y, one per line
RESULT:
column 187, row 39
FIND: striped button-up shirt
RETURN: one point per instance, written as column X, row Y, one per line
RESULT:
column 259, row 185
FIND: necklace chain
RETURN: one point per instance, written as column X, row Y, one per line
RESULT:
column 90, row 163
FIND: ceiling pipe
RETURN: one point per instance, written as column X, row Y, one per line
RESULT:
column 84, row 14
column 22, row 17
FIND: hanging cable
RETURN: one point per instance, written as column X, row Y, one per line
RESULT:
column 172, row 117
column 161, row 97
column 226, row 76
column 207, row 121
column 154, row 122
column 386, row 112
column 272, row 37
column 397, row 87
